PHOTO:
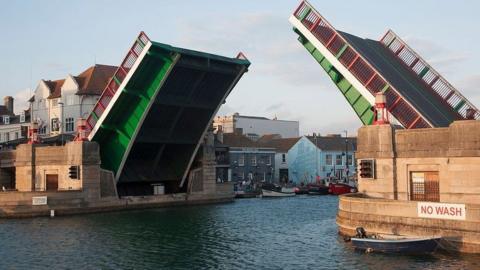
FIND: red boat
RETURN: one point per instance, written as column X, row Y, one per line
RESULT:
column 340, row 188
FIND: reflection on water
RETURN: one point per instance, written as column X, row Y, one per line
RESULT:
column 287, row 233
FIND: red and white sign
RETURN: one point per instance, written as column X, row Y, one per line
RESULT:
column 441, row 210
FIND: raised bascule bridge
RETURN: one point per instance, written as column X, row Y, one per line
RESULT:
column 151, row 118
column 417, row 95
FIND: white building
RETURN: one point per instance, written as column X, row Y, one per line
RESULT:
column 56, row 105
column 281, row 146
column 255, row 127
column 12, row 126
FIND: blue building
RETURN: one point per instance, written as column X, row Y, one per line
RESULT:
column 326, row 156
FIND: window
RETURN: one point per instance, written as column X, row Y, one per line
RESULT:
column 42, row 130
column 69, row 125
column 7, row 136
column 328, row 160
column 22, row 117
column 241, row 175
column 424, row 186
column 55, row 124
column 16, row 135
column 6, row 119
column 55, row 102
column 269, row 160
column 254, row 160
column 339, row 160
column 284, row 158
column 349, row 160
column 241, row 160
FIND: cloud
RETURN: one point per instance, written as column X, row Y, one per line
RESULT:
column 273, row 51
column 21, row 100
column 439, row 57
column 468, row 86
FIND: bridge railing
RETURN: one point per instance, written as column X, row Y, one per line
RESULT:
column 353, row 61
column 117, row 80
column 427, row 74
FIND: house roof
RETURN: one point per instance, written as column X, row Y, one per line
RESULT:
column 237, row 140
column 55, row 88
column 334, row 143
column 281, row 145
column 93, row 80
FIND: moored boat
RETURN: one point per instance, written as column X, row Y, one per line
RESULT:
column 341, row 188
column 395, row 243
column 314, row 189
column 272, row 190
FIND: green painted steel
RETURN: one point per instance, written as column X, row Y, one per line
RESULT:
column 360, row 105
column 342, row 50
column 423, row 72
column 119, row 126
column 459, row 105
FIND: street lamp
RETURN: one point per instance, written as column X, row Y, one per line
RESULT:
column 346, row 155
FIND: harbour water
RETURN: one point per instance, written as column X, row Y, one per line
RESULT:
column 287, row 233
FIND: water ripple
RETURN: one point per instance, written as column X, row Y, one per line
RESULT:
column 289, row 233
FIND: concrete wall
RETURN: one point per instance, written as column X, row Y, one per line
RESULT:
column 454, row 152
column 34, row 162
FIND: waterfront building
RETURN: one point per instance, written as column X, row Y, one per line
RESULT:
column 314, row 157
column 254, row 126
column 56, row 105
column 282, row 146
column 13, row 127
column 249, row 160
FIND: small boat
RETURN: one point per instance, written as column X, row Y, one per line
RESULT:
column 241, row 194
column 272, row 190
column 395, row 243
column 301, row 190
column 314, row 189
column 340, row 188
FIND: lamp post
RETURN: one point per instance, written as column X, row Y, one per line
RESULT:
column 61, row 121
column 316, row 156
column 346, row 155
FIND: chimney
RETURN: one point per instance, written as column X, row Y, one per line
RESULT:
column 8, row 102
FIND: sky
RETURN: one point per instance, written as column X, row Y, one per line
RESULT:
column 51, row 39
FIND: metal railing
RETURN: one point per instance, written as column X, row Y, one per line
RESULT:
column 366, row 74
column 117, row 80
column 431, row 78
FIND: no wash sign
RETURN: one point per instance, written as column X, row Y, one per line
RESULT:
column 441, row 210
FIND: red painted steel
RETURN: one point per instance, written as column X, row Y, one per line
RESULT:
column 438, row 85
column 354, row 62
column 119, row 75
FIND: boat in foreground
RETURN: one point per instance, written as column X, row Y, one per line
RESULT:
column 396, row 244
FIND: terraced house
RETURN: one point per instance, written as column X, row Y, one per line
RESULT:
column 56, row 105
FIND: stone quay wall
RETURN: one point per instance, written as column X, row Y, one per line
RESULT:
column 387, row 216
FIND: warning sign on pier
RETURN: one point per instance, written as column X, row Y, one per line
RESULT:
column 441, row 210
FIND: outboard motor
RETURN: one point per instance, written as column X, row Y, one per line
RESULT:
column 361, row 232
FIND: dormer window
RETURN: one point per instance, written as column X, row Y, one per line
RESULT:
column 6, row 119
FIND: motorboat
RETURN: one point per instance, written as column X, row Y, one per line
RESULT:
column 274, row 190
column 314, row 189
column 340, row 188
column 386, row 243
